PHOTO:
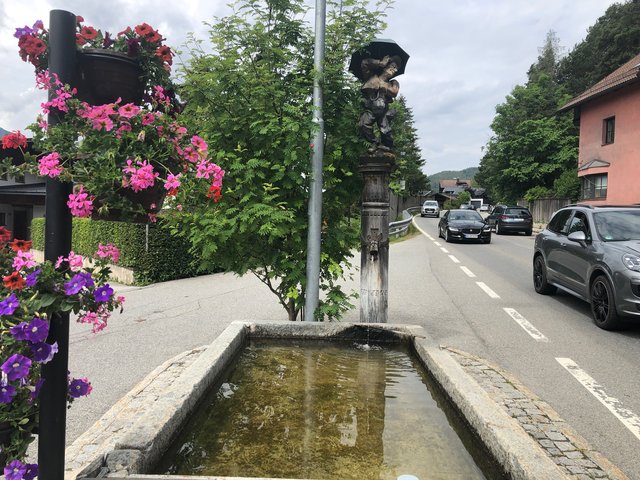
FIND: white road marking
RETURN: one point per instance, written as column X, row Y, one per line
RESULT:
column 428, row 236
column 469, row 273
column 415, row 224
column 530, row 329
column 626, row 416
column 444, row 250
column 437, row 244
column 454, row 259
column 487, row 290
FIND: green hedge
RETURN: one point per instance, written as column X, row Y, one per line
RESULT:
column 167, row 258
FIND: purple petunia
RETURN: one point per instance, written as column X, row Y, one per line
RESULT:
column 77, row 283
column 7, row 392
column 79, row 387
column 19, row 331
column 16, row 367
column 37, row 330
column 24, row 31
column 9, row 305
column 35, row 390
column 103, row 293
column 15, row 470
column 32, row 278
column 32, row 471
column 43, row 352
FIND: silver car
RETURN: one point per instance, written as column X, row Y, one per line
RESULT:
column 430, row 208
column 592, row 252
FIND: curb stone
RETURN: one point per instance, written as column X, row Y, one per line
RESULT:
column 566, row 448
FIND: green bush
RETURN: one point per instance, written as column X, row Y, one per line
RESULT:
column 156, row 257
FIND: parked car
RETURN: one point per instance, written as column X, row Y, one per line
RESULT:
column 467, row 206
column 430, row 208
column 592, row 252
column 461, row 224
column 507, row 219
column 485, row 207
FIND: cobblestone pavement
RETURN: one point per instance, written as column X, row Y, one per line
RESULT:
column 567, row 449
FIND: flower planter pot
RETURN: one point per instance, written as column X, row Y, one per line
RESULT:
column 105, row 76
column 150, row 199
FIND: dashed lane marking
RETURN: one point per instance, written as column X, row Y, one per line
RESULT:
column 528, row 327
column 454, row 259
column 626, row 416
column 469, row 273
column 444, row 250
column 487, row 290
column 437, row 244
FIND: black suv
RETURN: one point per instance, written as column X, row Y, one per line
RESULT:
column 592, row 252
column 507, row 219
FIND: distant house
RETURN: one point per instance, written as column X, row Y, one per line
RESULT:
column 609, row 149
column 21, row 199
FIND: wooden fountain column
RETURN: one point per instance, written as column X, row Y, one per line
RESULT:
column 374, row 236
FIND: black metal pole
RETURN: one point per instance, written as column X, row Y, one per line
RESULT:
column 53, row 396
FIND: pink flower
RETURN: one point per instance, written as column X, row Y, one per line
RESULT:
column 49, row 165
column 23, row 260
column 148, row 118
column 199, row 143
column 75, row 261
column 108, row 251
column 81, row 204
column 139, row 178
column 172, row 181
column 129, row 110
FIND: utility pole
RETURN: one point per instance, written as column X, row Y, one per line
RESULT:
column 312, row 291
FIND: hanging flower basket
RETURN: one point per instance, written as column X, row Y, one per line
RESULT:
column 104, row 76
column 144, row 205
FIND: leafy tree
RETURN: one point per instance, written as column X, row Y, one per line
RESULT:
column 532, row 146
column 252, row 96
column 464, row 197
column 612, row 41
column 409, row 161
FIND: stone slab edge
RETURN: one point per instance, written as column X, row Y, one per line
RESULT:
column 510, row 445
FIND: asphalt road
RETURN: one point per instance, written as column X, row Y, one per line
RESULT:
column 589, row 376
column 427, row 287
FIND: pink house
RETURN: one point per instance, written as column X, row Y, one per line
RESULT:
column 609, row 149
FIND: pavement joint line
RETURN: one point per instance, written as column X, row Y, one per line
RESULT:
column 526, row 325
column 566, row 448
column 628, row 418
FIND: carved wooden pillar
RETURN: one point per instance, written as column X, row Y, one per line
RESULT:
column 374, row 236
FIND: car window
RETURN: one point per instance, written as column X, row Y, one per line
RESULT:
column 560, row 221
column 465, row 215
column 430, row 204
column 618, row 225
column 579, row 223
column 523, row 212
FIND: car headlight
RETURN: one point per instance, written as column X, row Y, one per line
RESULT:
column 632, row 262
column 454, row 229
column 486, row 228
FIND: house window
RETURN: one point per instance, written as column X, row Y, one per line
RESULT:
column 608, row 130
column 594, row 187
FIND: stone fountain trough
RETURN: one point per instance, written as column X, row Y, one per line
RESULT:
column 130, row 439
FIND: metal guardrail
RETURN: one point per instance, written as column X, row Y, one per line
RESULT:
column 401, row 227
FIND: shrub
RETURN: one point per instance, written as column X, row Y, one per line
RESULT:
column 154, row 257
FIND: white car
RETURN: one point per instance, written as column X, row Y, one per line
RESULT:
column 430, row 208
column 484, row 207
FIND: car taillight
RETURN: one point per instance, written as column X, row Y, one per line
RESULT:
column 503, row 217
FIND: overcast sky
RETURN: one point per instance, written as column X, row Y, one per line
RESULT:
column 466, row 56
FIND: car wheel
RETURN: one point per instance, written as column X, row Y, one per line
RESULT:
column 603, row 307
column 446, row 235
column 540, row 277
column 422, row 214
column 438, row 216
column 499, row 231
column 528, row 232
column 488, row 240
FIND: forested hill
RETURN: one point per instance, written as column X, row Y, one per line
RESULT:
column 466, row 174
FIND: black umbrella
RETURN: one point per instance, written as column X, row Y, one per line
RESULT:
column 378, row 48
